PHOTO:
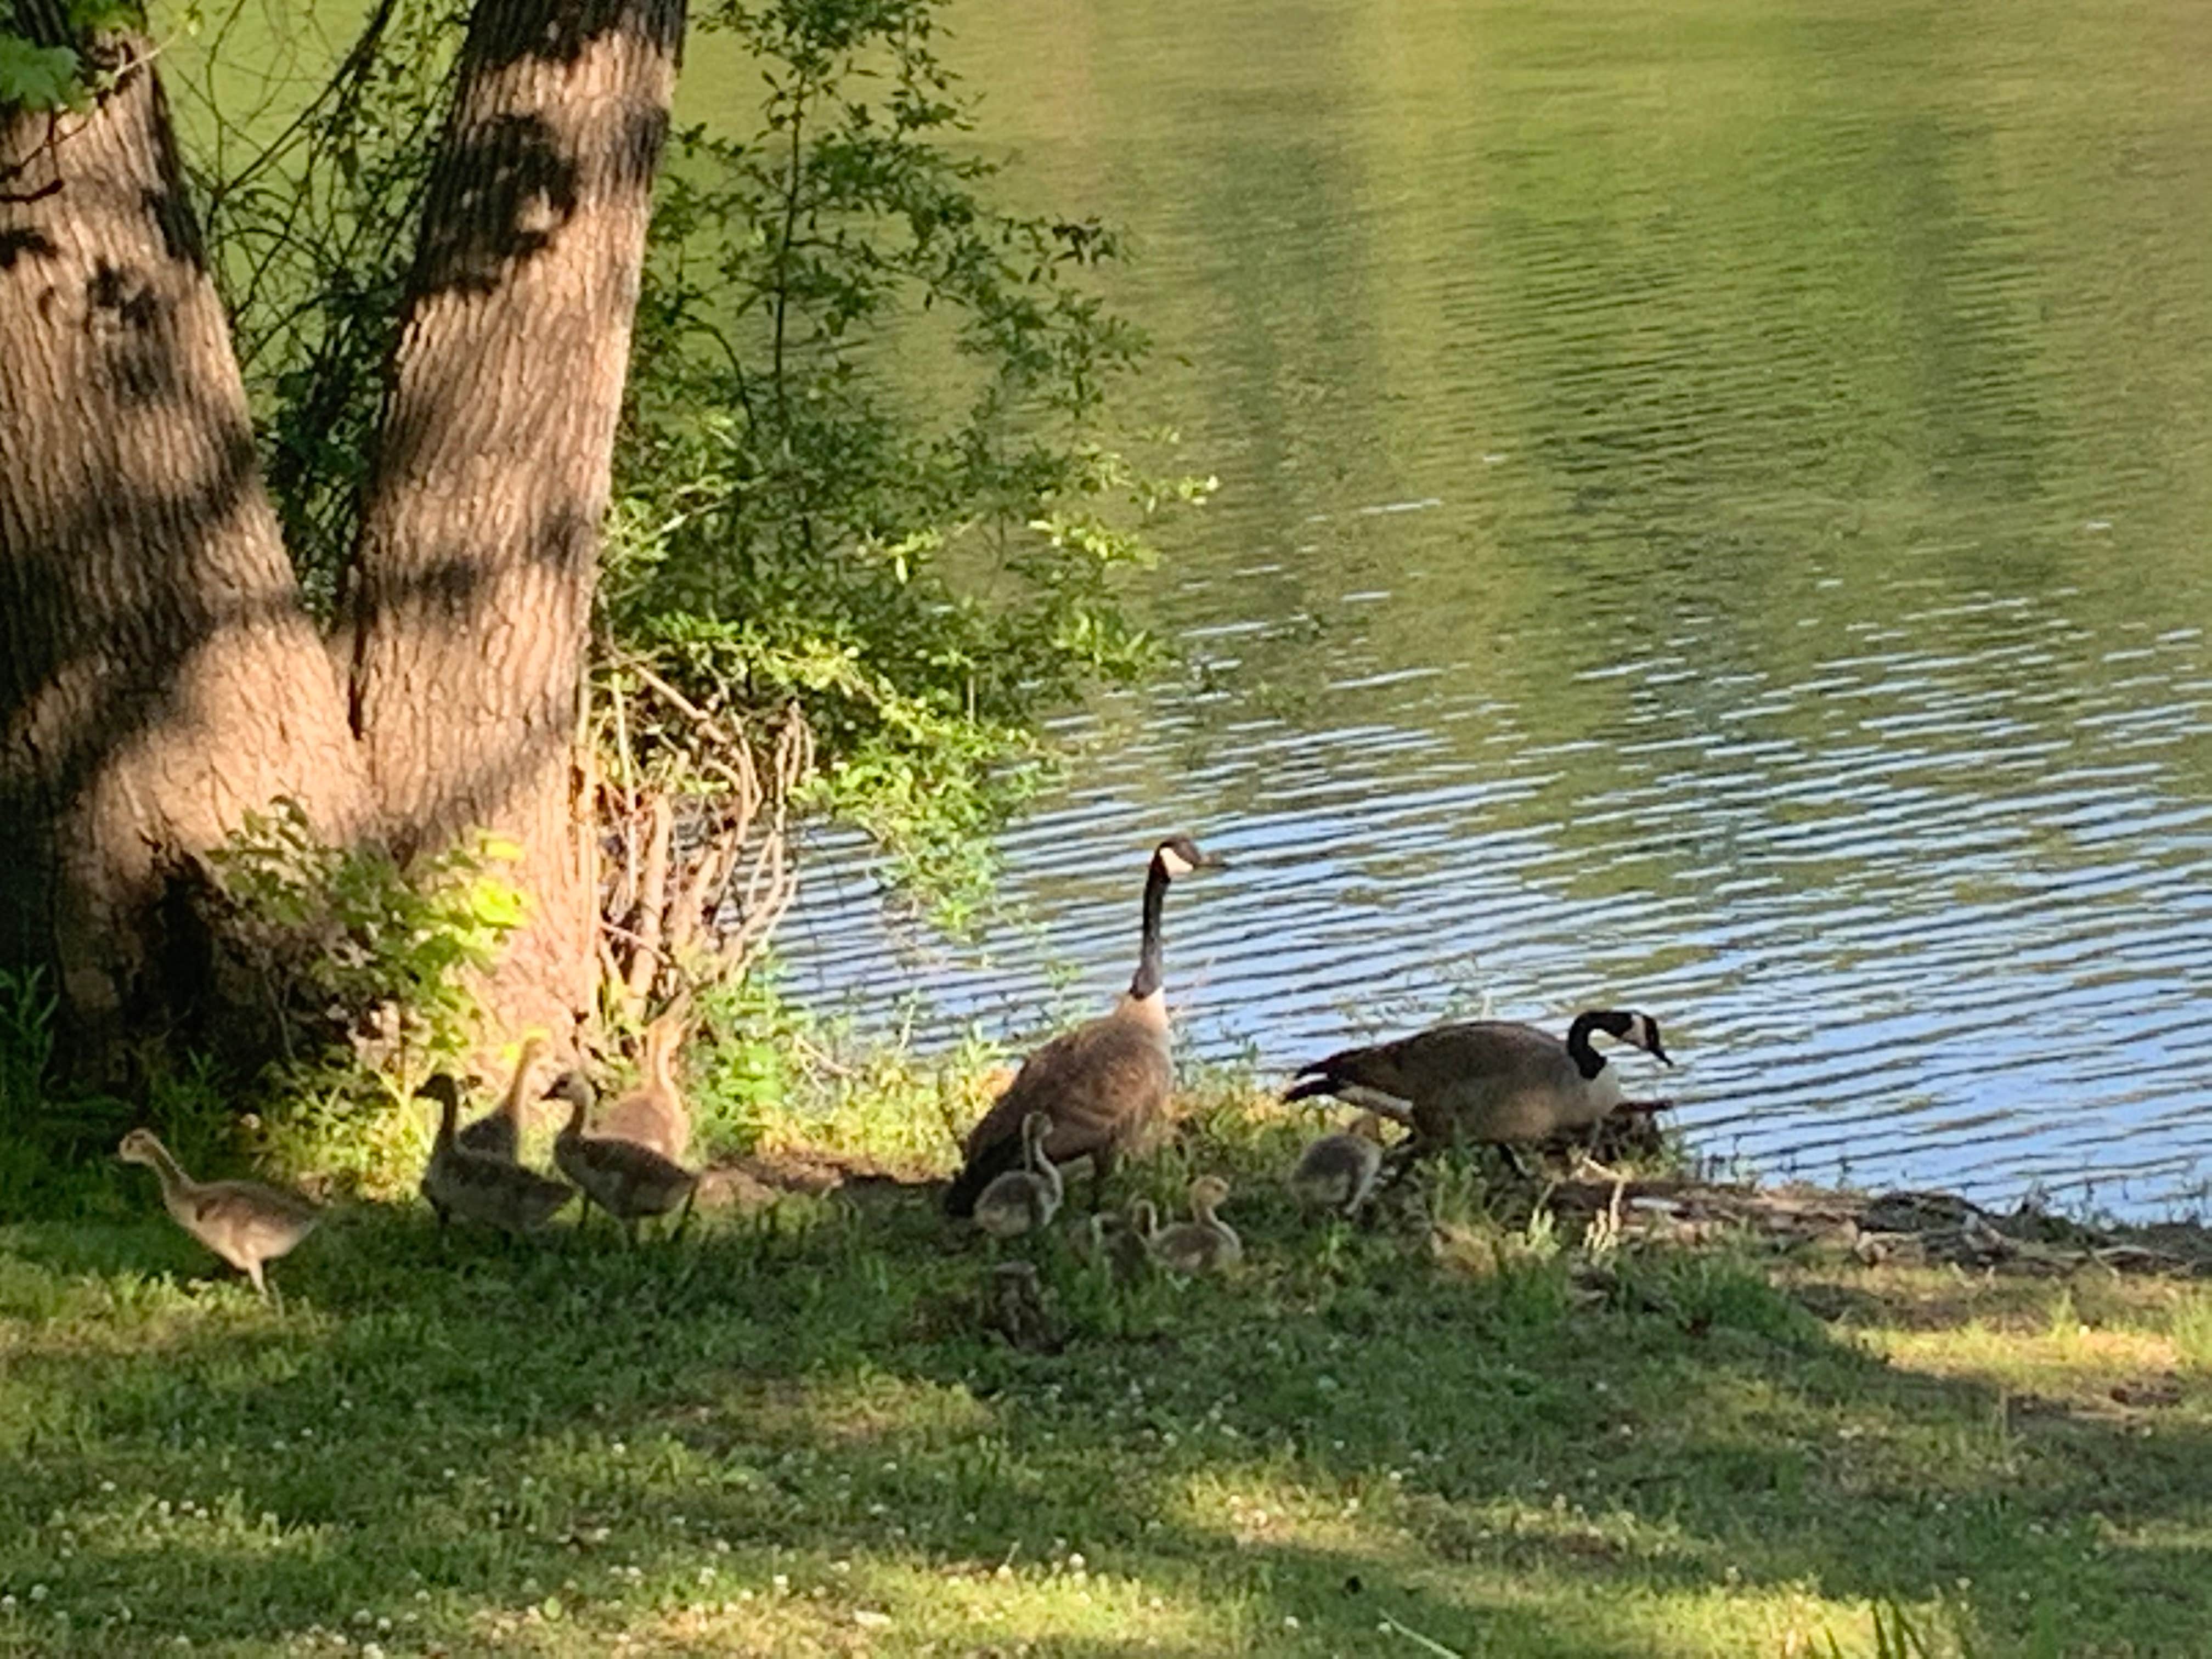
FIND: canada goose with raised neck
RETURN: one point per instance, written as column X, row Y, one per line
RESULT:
column 482, row 1188
column 498, row 1133
column 1101, row 1084
column 1023, row 1201
column 1204, row 1243
column 244, row 1222
column 1485, row 1080
column 653, row 1113
column 630, row 1183
column 1338, row 1171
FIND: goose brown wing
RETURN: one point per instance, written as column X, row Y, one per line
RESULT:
column 1445, row 1055
column 1098, row 1084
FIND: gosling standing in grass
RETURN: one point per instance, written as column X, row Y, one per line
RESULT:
column 498, row 1133
column 630, row 1183
column 487, row 1189
column 1102, row 1084
column 1338, row 1171
column 1122, row 1243
column 653, row 1113
column 1023, row 1201
column 243, row 1222
column 1204, row 1243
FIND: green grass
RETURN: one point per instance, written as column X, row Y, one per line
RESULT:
column 787, row 1433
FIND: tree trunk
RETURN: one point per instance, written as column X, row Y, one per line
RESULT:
column 474, row 577
column 159, row 676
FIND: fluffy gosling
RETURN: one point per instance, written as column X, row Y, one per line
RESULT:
column 481, row 1187
column 243, row 1222
column 630, row 1183
column 1023, row 1201
column 1204, row 1243
column 653, row 1113
column 1338, row 1171
column 498, row 1133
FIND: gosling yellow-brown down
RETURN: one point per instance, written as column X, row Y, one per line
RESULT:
column 1204, row 1243
column 244, row 1222
column 1023, row 1201
column 653, row 1113
column 1338, row 1171
column 483, row 1188
column 498, row 1133
column 630, row 1183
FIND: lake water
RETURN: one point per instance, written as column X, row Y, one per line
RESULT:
column 1714, row 519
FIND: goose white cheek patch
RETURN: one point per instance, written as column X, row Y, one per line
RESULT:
column 1177, row 864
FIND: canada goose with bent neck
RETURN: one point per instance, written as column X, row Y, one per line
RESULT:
column 1485, row 1080
column 1101, row 1084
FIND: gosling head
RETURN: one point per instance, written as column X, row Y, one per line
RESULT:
column 574, row 1087
column 443, row 1087
column 1178, row 855
column 1144, row 1217
column 139, row 1146
column 1208, row 1194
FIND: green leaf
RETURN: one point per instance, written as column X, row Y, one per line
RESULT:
column 39, row 77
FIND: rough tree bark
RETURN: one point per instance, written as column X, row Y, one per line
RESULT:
column 158, row 674
column 474, row 576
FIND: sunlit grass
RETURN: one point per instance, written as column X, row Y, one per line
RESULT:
column 788, row 1433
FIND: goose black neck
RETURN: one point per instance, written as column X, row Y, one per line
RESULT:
column 1587, row 1059
column 1149, row 975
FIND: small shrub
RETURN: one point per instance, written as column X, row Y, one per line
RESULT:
column 366, row 971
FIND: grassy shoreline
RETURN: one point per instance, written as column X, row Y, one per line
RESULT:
column 791, row 1433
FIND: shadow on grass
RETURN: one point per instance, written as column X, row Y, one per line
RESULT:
column 789, row 1429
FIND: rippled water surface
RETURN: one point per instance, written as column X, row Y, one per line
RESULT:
column 1714, row 519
